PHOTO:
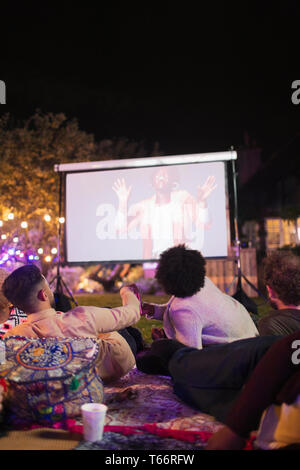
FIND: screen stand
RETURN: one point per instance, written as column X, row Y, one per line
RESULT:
column 60, row 283
column 240, row 294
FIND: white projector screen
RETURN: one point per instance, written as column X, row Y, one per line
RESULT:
column 133, row 214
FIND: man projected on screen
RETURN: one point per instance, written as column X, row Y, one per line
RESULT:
column 169, row 217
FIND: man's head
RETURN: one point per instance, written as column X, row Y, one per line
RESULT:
column 4, row 303
column 163, row 179
column 282, row 278
column 181, row 271
column 27, row 289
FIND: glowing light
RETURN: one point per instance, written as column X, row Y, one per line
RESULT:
column 11, row 251
column 15, row 239
column 18, row 252
column 48, row 259
column 21, row 255
column 30, row 257
column 10, row 216
column 5, row 257
column 4, row 237
column 24, row 224
column 61, row 220
column 36, row 257
column 54, row 251
column 1, row 223
column 47, row 218
column 40, row 251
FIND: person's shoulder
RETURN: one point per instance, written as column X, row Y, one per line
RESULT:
column 280, row 313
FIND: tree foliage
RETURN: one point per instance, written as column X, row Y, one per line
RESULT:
column 29, row 186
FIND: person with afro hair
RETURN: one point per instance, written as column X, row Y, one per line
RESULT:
column 198, row 313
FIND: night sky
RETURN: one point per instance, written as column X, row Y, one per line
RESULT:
column 190, row 77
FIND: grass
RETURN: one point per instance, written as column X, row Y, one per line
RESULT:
column 144, row 325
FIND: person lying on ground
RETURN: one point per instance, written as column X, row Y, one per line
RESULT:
column 208, row 379
column 27, row 289
column 198, row 313
column 269, row 402
column 282, row 279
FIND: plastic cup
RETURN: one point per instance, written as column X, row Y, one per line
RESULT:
column 93, row 416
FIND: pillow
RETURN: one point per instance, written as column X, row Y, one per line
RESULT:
column 49, row 379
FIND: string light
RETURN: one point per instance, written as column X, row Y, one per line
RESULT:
column 11, row 252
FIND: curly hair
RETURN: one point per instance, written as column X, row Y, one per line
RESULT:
column 181, row 271
column 19, row 286
column 282, row 273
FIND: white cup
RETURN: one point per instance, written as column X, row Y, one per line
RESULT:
column 93, row 416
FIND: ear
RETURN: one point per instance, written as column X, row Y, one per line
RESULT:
column 272, row 293
column 42, row 296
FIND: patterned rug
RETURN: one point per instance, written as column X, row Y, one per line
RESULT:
column 144, row 413
column 139, row 398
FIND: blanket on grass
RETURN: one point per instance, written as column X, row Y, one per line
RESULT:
column 144, row 413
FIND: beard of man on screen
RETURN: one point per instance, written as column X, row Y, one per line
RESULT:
column 169, row 217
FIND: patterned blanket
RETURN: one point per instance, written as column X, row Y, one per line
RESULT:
column 144, row 413
column 138, row 398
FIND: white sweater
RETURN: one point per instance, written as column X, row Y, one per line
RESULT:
column 208, row 317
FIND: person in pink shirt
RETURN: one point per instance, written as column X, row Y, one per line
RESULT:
column 27, row 289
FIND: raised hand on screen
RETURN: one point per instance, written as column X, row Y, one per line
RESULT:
column 206, row 189
column 121, row 190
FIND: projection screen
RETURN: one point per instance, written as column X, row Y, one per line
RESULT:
column 131, row 210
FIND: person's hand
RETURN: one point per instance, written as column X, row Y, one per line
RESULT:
column 206, row 189
column 147, row 309
column 225, row 439
column 121, row 190
column 134, row 289
column 158, row 333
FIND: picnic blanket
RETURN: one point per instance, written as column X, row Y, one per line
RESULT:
column 143, row 413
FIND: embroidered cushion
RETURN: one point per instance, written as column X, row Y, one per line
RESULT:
column 49, row 379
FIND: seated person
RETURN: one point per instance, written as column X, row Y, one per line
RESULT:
column 282, row 279
column 27, row 289
column 198, row 313
column 269, row 402
column 9, row 316
column 208, row 379
column 5, row 305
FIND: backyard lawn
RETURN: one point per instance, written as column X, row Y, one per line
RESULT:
column 144, row 325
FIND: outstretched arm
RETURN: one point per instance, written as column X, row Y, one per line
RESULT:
column 125, row 220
